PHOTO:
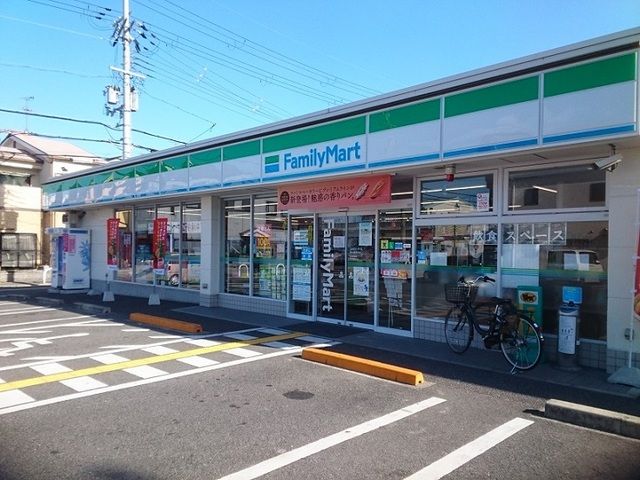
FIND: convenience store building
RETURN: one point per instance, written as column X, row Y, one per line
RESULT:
column 360, row 214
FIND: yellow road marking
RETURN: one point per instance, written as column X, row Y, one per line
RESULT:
column 57, row 377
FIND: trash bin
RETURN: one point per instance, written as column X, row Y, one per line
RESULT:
column 568, row 338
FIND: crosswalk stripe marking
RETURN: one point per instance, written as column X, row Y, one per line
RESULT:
column 159, row 350
column 145, row 371
column 109, row 358
column 138, row 383
column 471, row 450
column 197, row 361
column 50, row 368
column 14, row 397
column 240, row 336
column 140, row 362
column 312, row 339
column 242, row 352
column 292, row 456
column 83, row 384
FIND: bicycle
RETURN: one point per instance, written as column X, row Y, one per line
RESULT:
column 517, row 334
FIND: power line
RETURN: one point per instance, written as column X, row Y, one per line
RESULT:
column 82, row 139
column 89, row 122
column 274, row 54
column 53, row 70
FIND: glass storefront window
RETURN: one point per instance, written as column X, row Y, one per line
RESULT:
column 125, row 246
column 444, row 253
column 540, row 259
column 463, row 195
column 171, row 260
column 191, row 245
column 237, row 223
column 395, row 268
column 143, row 231
column 269, row 247
column 561, row 187
column 302, row 258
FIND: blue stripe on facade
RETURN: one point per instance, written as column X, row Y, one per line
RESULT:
column 398, row 161
column 177, row 190
column 273, row 168
column 491, row 148
column 590, row 133
column 241, row 182
column 204, row 187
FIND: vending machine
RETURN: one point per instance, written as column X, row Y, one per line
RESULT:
column 70, row 258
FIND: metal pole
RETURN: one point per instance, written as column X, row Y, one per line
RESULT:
column 126, row 81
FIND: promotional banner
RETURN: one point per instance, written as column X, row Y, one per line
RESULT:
column 351, row 192
column 112, row 243
column 159, row 243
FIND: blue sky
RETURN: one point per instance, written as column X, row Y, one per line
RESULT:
column 240, row 64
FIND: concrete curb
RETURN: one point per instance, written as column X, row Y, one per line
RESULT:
column 15, row 297
column 92, row 308
column 595, row 418
column 362, row 365
column 49, row 301
column 167, row 323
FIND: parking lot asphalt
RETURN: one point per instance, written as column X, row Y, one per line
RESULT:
column 586, row 386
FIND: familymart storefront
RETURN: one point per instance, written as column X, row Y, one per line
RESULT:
column 360, row 215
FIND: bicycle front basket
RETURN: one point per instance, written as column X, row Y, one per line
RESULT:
column 456, row 293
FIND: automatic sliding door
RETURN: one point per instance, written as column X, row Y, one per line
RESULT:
column 361, row 269
column 301, row 265
column 331, row 246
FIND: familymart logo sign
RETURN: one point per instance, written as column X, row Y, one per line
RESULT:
column 318, row 159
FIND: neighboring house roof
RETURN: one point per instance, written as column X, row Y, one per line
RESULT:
column 14, row 158
column 54, row 149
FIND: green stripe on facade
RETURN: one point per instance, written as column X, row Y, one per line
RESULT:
column 271, row 159
column 69, row 184
column 147, row 169
column 241, row 150
column 124, row 173
column 176, row 163
column 494, row 96
column 84, row 181
column 51, row 188
column 204, row 158
column 323, row 133
column 105, row 177
column 403, row 116
column 591, row 75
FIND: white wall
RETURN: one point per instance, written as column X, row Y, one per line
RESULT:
column 622, row 199
column 96, row 221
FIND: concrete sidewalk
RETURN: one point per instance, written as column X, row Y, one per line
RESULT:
column 586, row 386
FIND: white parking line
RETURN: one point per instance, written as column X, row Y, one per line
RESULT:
column 292, row 456
column 26, row 310
column 44, row 321
column 471, row 450
column 145, row 371
column 197, row 361
column 13, row 398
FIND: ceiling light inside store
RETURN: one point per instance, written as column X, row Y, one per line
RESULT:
column 545, row 189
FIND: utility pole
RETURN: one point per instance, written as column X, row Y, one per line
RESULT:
column 122, row 33
column 126, row 81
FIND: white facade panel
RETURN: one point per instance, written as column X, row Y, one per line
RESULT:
column 404, row 142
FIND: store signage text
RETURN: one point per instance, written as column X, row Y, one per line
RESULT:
column 326, row 264
column 322, row 157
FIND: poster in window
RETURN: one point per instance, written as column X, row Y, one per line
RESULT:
column 361, row 281
column 365, row 234
column 482, row 201
column 301, row 292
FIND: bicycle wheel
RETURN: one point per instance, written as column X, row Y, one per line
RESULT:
column 458, row 329
column 521, row 344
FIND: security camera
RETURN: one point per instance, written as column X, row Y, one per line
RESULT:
column 609, row 163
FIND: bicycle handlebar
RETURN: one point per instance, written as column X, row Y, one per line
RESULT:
column 483, row 278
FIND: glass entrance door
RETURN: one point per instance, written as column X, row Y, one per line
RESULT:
column 344, row 266
column 301, row 265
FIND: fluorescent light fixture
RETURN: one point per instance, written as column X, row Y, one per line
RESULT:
column 545, row 189
column 466, row 188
